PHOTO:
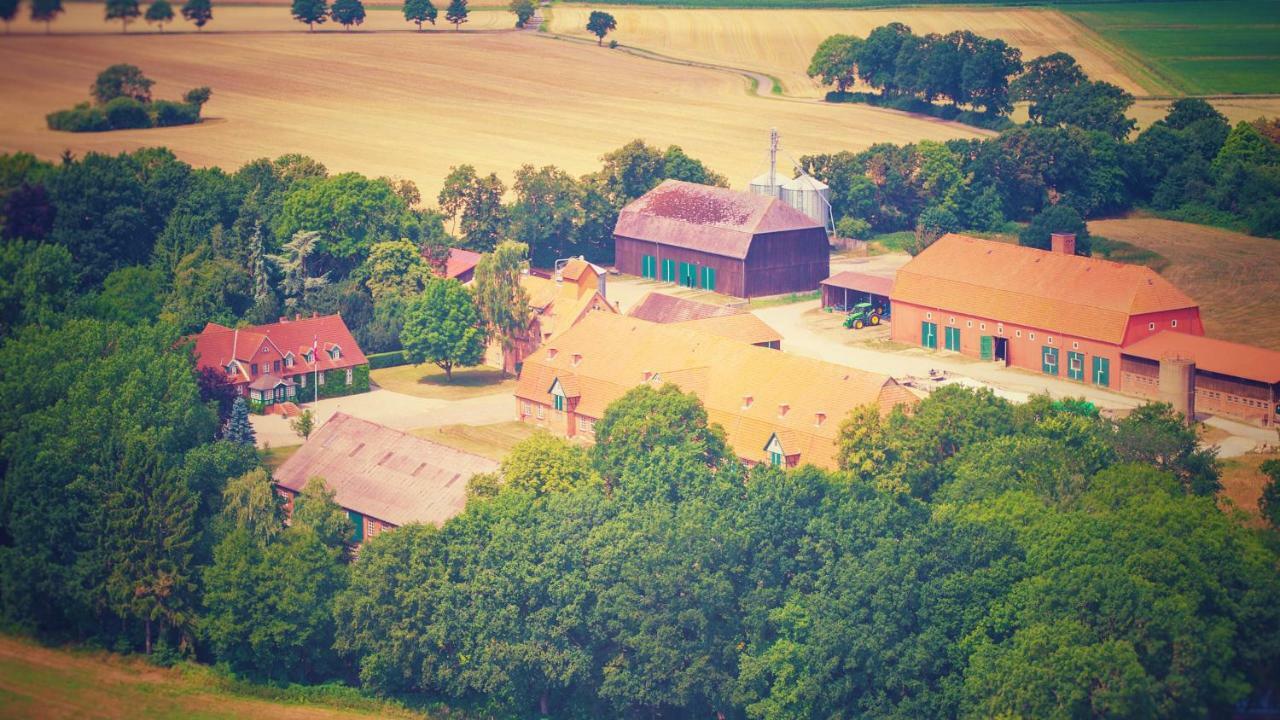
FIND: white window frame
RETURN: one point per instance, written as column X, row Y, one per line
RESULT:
column 526, row 408
column 541, row 412
column 319, row 378
column 349, row 374
column 1173, row 323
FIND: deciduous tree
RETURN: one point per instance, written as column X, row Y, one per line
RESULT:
column 199, row 12
column 457, row 13
column 159, row 12
column 123, row 10
column 122, row 80
column 304, row 424
column 46, row 11
column 8, row 11
column 420, row 11
column 311, row 12
column 347, row 13
column 395, row 267
column 601, row 23
column 523, row 10
column 442, row 326
column 835, row 61
column 501, row 300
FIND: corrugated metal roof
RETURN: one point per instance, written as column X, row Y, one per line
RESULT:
column 384, row 473
column 1082, row 296
column 708, row 219
column 1216, row 356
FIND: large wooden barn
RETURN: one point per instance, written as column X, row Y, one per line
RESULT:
column 712, row 238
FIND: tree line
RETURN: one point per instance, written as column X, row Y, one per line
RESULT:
column 971, row 559
column 1190, row 165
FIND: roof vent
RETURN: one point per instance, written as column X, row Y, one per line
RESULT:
column 551, row 353
column 355, row 450
column 782, row 409
column 819, row 419
column 577, row 358
column 746, row 401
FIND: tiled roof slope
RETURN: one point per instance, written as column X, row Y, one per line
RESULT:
column 616, row 352
column 861, row 282
column 1086, row 297
column 381, row 472
column 460, row 261
column 1217, row 356
column 662, row 308
column 217, row 345
column 706, row 218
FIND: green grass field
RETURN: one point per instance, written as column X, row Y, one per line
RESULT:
column 1195, row 48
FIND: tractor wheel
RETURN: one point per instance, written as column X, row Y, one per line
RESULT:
column 875, row 319
column 858, row 324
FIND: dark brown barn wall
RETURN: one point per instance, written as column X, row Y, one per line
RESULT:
column 792, row 261
column 629, row 251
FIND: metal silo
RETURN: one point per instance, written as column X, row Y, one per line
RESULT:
column 810, row 196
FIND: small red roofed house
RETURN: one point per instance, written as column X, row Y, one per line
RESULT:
column 1052, row 312
column 286, row 361
column 382, row 477
column 712, row 238
column 461, row 265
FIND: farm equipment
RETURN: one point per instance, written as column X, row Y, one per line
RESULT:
column 862, row 315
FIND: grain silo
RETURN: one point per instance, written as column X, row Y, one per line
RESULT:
column 1178, row 385
column 810, row 196
column 770, row 183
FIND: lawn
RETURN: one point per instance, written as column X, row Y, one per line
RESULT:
column 1201, row 48
column 1242, row 481
column 274, row 457
column 491, row 441
column 428, row 381
column 39, row 682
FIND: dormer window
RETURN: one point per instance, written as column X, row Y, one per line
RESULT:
column 577, row 358
column 551, row 353
column 309, row 357
column 231, row 368
column 288, row 360
column 819, row 419
column 783, row 409
column 746, row 401
column 335, row 353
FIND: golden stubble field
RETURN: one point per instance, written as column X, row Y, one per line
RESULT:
column 1232, row 275
column 411, row 105
column 781, row 42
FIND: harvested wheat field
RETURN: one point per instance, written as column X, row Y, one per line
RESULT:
column 408, row 105
column 781, row 42
column 1232, row 275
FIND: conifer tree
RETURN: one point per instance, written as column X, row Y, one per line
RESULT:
column 239, row 429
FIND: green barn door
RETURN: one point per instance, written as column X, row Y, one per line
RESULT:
column 929, row 335
column 988, row 353
column 708, row 278
column 1049, row 360
column 1101, row 371
column 648, row 266
column 1075, row 365
column 358, row 521
column 669, row 270
column 688, row 274
column 951, row 338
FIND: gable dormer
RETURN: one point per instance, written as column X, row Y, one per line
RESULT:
column 335, row 352
column 288, row 359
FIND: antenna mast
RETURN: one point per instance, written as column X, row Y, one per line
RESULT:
column 773, row 160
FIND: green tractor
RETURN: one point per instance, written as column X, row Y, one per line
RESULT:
column 862, row 315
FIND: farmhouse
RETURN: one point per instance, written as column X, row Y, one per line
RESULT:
column 716, row 239
column 776, row 408
column 555, row 303
column 730, row 322
column 285, row 361
column 383, row 478
column 1199, row 373
column 1053, row 312
column 461, row 265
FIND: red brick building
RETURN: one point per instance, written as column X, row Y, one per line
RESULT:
column 1230, row 379
column 382, row 477
column 716, row 239
column 1047, row 311
column 285, row 361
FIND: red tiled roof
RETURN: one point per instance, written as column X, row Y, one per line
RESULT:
column 661, row 308
column 1081, row 296
column 861, row 282
column 384, row 473
column 460, row 262
column 705, row 218
column 1216, row 356
column 573, row 269
column 217, row 345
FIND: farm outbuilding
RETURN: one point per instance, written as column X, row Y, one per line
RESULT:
column 722, row 240
column 1053, row 312
column 846, row 289
column 1225, row 378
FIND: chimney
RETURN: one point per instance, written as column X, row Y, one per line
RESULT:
column 1064, row 243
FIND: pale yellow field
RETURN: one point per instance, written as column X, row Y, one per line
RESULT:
column 409, row 105
column 781, row 42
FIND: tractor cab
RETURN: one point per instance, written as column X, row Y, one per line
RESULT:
column 862, row 315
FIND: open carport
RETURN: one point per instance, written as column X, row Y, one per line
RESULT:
column 848, row 288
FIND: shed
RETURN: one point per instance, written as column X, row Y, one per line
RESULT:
column 712, row 238
column 848, row 288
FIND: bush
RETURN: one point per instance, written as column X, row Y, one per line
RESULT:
column 168, row 113
column 854, row 228
column 81, row 118
column 197, row 97
column 1055, row 219
column 395, row 358
column 126, row 113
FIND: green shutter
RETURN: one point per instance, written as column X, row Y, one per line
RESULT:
column 1049, row 360
column 1075, row 365
column 987, row 349
column 1101, row 371
column 559, row 403
column 358, row 520
column 775, row 459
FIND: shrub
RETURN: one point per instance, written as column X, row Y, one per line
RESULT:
column 122, row 81
column 81, row 118
column 395, row 358
column 125, row 113
column 168, row 113
column 854, row 228
column 197, row 97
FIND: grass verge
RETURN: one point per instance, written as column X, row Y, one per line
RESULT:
column 491, row 441
column 429, row 381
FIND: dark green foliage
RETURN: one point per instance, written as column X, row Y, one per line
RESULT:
column 835, row 61
column 351, row 213
column 523, row 9
column 1055, row 219
column 28, row 212
column 442, row 326
column 347, row 12
column 199, row 12
column 125, row 113
column 168, row 113
column 601, row 23
column 394, row 358
column 81, row 118
column 159, row 12
column 239, row 429
column 130, row 295
column 420, row 11
column 121, row 80
column 197, row 97
column 37, row 284
column 1269, row 502
column 125, row 11
column 123, row 95
column 8, row 11
column 46, row 11
column 456, row 13
column 311, row 12
column 1156, row 435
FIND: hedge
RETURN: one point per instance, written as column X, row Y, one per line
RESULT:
column 395, row 358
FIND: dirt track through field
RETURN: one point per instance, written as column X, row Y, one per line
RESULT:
column 1232, row 276
column 411, row 105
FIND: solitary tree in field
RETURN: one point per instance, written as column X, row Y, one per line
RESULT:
column 46, row 11
column 121, row 80
column 457, row 13
column 311, row 12
column 199, row 12
column 419, row 11
column 8, row 11
column 347, row 13
column 442, row 326
column 124, row 11
column 159, row 12
column 523, row 10
column 601, row 24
